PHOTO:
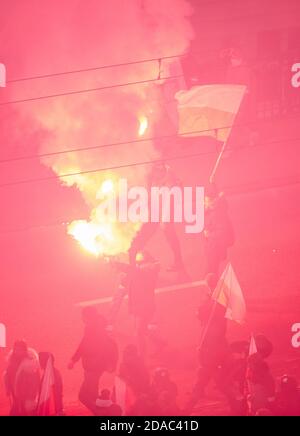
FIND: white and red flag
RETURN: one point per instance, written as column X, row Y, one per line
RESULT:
column 46, row 403
column 229, row 294
column 209, row 110
column 252, row 347
column 2, row 336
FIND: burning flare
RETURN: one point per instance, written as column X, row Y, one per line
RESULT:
column 91, row 236
column 103, row 235
column 98, row 236
column 143, row 125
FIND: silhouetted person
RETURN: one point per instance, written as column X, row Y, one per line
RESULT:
column 138, row 282
column 142, row 281
column 287, row 402
column 22, row 379
column 133, row 371
column 144, row 405
column 260, row 383
column 98, row 353
column 162, row 396
column 105, row 406
column 58, row 382
column 162, row 383
column 213, row 346
column 167, row 405
column 231, row 378
column 218, row 232
column 160, row 176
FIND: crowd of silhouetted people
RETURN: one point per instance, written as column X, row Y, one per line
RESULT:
column 245, row 381
column 238, row 370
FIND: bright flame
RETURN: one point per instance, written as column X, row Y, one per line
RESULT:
column 143, row 125
column 107, row 187
column 139, row 257
column 103, row 238
column 102, row 234
column 92, row 237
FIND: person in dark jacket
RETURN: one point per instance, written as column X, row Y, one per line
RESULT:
column 287, row 401
column 98, row 353
column 139, row 281
column 213, row 346
column 142, row 281
column 218, row 232
column 162, row 383
column 232, row 377
column 160, row 176
column 133, row 371
column 260, row 383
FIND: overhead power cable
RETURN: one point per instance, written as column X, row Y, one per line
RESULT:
column 133, row 141
column 142, row 163
column 84, row 91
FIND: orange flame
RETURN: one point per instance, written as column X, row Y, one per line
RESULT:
column 143, row 125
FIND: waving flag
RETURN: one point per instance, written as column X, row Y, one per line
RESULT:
column 209, row 108
column 252, row 347
column 2, row 336
column 46, row 404
column 228, row 293
column 2, row 76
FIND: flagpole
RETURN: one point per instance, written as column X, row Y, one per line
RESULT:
column 215, row 299
column 216, row 166
column 205, row 329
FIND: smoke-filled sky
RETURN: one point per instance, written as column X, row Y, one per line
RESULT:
column 75, row 35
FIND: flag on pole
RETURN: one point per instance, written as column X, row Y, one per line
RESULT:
column 209, row 108
column 248, row 377
column 46, row 403
column 252, row 347
column 2, row 76
column 229, row 294
column 2, row 336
